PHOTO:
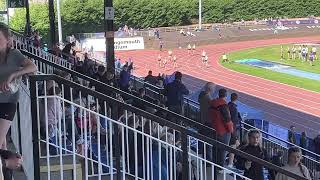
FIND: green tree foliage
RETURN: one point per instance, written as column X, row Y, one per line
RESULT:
column 38, row 18
column 87, row 15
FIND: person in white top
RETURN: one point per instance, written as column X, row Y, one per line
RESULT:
column 189, row 48
column 203, row 55
column 314, row 51
column 293, row 52
column 175, row 65
column 159, row 60
column 193, row 48
column 299, row 52
column 225, row 58
column 304, row 53
column 294, row 165
column 170, row 55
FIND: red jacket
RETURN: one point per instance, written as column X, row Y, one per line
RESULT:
column 220, row 116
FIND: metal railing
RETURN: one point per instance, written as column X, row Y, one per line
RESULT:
column 270, row 142
column 119, row 140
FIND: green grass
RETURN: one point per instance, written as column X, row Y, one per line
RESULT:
column 272, row 53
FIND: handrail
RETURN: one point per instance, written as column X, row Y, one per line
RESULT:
column 182, row 119
column 185, row 132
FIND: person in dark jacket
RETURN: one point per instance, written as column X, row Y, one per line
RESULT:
column 276, row 160
column 150, row 78
column 174, row 92
column 125, row 78
column 66, row 50
column 316, row 142
column 251, row 169
column 292, row 135
column 303, row 142
column 204, row 101
column 235, row 115
column 221, row 122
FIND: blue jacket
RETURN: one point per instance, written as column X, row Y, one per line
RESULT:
column 124, row 78
column 174, row 92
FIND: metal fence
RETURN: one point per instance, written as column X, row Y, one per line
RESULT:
column 105, row 138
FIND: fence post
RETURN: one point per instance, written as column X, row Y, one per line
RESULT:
column 35, row 128
column 185, row 155
column 115, row 116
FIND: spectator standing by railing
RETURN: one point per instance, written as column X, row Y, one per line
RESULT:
column 292, row 135
column 174, row 92
column 204, row 101
column 294, row 165
column 235, row 115
column 125, row 77
column 66, row 51
column 317, row 144
column 221, row 122
column 303, row 142
column 13, row 65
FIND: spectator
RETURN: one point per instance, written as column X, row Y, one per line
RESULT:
column 13, row 65
column 235, row 143
column 204, row 101
column 294, row 165
column 66, row 51
column 36, row 39
column 174, row 92
column 251, row 169
column 276, row 160
column 125, row 77
column 317, row 144
column 235, row 115
column 55, row 50
column 150, row 78
column 221, row 122
column 292, row 135
column 303, row 142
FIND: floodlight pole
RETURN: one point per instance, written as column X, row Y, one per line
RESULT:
column 28, row 26
column 59, row 22
column 200, row 14
column 109, row 34
column 52, row 24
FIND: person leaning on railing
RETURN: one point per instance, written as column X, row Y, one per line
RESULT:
column 13, row 65
column 294, row 165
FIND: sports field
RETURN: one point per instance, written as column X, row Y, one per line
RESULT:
column 272, row 53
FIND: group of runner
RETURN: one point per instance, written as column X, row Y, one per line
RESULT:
column 301, row 52
column 172, row 58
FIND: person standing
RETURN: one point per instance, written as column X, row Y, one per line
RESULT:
column 235, row 115
column 222, row 123
column 13, row 65
column 174, row 92
column 303, row 142
column 314, row 51
column 204, row 101
column 189, row 48
column 292, row 135
column 294, row 165
column 316, row 142
column 161, row 45
column 193, row 49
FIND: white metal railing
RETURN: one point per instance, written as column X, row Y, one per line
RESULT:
column 148, row 150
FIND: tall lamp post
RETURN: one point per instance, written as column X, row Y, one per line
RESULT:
column 109, row 34
column 52, row 24
column 28, row 26
column 200, row 14
column 59, row 22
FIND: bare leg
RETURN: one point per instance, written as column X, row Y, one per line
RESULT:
column 4, row 127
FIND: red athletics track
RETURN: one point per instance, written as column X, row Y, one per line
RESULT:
column 291, row 97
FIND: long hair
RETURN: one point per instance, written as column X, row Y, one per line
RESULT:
column 6, row 32
column 296, row 150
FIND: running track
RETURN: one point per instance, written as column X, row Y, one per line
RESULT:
column 304, row 101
